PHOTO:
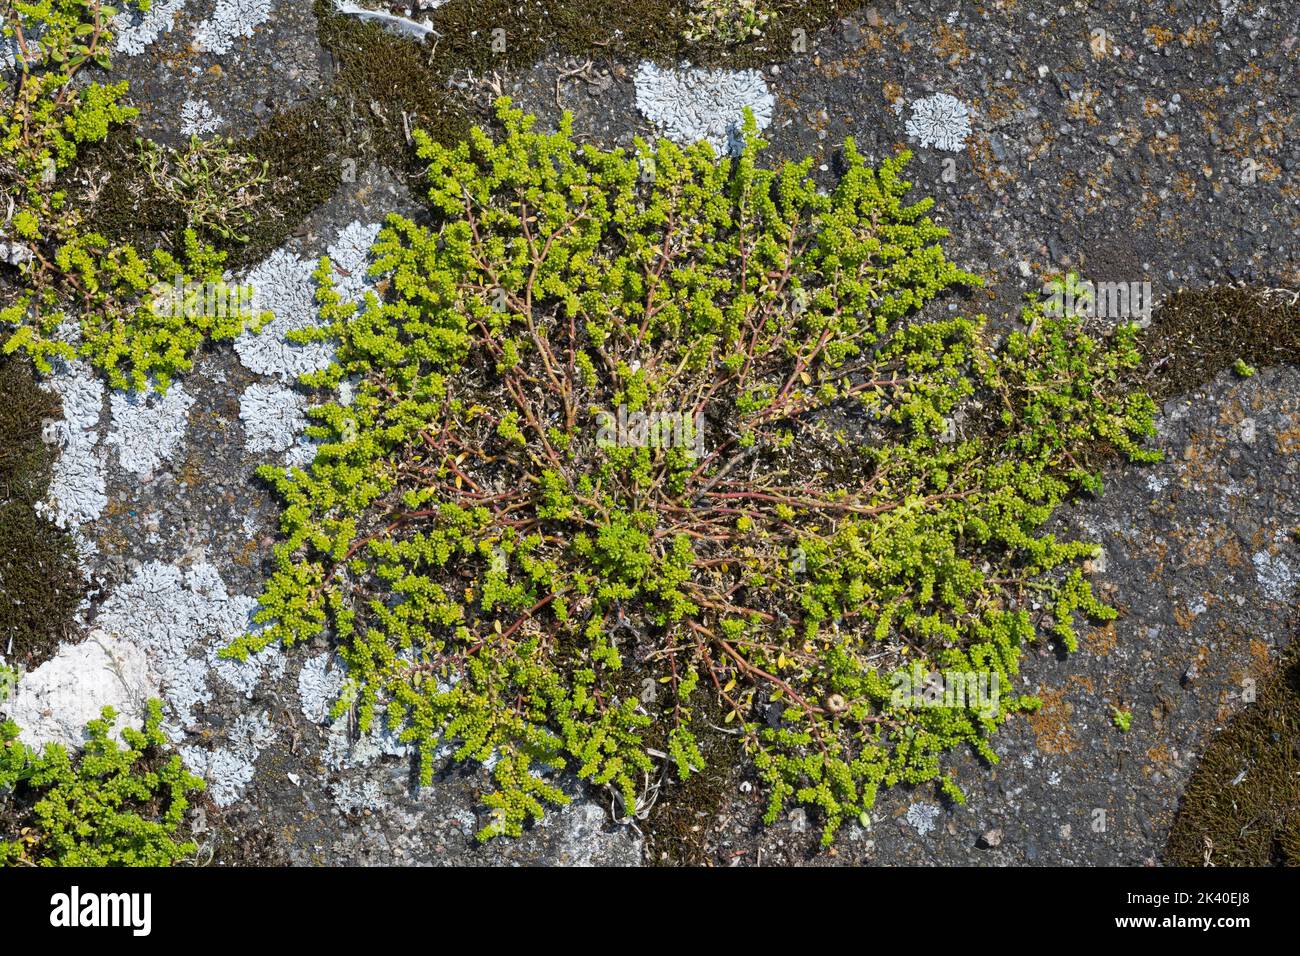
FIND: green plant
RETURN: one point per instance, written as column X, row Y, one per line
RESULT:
column 1242, row 368
column 47, row 113
column 111, row 805
column 515, row 555
column 216, row 185
column 1122, row 718
column 726, row 21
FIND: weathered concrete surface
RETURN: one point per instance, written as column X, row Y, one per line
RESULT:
column 1128, row 165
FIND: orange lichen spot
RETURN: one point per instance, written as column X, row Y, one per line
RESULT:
column 1199, row 34
column 1102, row 640
column 1084, row 682
column 1288, row 440
column 1166, row 144
column 1052, row 724
column 1160, row 758
column 950, row 44
column 1082, row 105
column 1159, row 36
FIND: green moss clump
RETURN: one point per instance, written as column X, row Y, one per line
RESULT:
column 1198, row 334
column 635, row 436
column 726, row 21
column 1121, row 718
column 216, row 185
column 1242, row 804
column 24, row 407
column 40, row 583
column 110, row 805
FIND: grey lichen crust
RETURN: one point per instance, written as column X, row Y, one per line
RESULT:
column 941, row 121
column 198, row 118
column 273, row 416
column 283, row 285
column 136, row 31
column 693, row 104
column 148, row 427
column 230, row 20
column 54, row 702
column 180, row 620
column 77, row 487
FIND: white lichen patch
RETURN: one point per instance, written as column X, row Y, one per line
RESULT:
column 148, row 427
column 693, row 104
column 302, row 454
column 136, row 30
column 319, row 684
column 244, row 676
column 354, row 796
column 283, row 285
column 229, row 769
column 181, row 620
column 941, row 121
column 230, row 20
column 1277, row 580
column 8, row 53
column 198, row 118
column 350, row 257
column 226, row 772
column 273, row 416
column 54, row 702
column 77, row 486
column 923, row 817
column 344, row 753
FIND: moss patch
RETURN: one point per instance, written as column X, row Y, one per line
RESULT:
column 24, row 458
column 1196, row 335
column 683, row 822
column 40, row 586
column 304, row 148
column 624, row 29
column 1242, row 805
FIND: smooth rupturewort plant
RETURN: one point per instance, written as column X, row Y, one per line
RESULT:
column 497, row 573
column 49, row 110
column 112, row 805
